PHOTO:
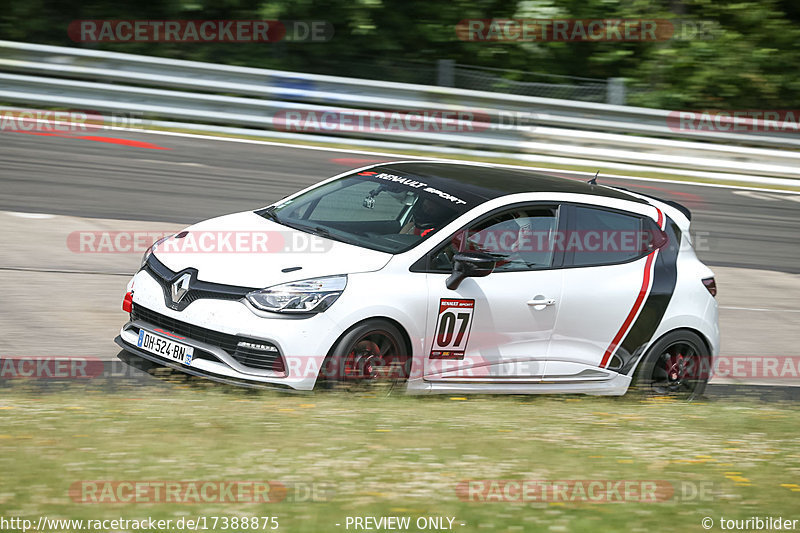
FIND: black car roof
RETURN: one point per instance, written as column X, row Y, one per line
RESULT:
column 487, row 182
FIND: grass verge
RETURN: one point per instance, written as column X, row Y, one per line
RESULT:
column 346, row 455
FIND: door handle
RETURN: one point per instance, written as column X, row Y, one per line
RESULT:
column 543, row 301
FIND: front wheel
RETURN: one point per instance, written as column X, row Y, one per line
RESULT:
column 372, row 353
column 677, row 366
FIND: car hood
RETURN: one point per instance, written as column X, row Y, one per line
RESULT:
column 247, row 250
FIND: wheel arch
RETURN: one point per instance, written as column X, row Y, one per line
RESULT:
column 403, row 331
column 703, row 337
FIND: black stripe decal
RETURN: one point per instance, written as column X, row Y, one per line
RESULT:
column 665, row 276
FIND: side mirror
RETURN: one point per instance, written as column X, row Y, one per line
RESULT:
column 470, row 265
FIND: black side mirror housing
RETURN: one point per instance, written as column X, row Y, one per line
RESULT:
column 470, row 265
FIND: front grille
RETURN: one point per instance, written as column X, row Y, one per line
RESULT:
column 194, row 294
column 247, row 356
column 197, row 289
column 258, row 358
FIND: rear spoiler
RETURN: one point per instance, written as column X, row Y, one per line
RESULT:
column 682, row 208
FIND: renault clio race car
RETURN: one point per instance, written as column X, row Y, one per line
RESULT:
column 443, row 277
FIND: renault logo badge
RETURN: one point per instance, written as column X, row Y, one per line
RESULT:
column 180, row 287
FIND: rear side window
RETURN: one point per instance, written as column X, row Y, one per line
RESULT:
column 603, row 237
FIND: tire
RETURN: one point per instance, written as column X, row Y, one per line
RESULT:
column 373, row 353
column 676, row 366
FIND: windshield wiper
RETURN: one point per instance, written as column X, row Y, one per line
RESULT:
column 270, row 214
column 318, row 231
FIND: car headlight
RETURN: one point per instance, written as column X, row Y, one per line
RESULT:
column 306, row 296
column 152, row 249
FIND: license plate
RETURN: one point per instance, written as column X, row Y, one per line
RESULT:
column 165, row 347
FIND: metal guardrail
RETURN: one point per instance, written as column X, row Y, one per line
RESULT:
column 197, row 92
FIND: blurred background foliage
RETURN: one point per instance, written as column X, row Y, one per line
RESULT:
column 749, row 62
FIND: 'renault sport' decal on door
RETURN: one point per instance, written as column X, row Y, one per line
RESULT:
column 452, row 328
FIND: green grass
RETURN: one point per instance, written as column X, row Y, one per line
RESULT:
column 396, row 455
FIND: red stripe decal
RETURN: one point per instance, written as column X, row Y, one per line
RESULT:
column 123, row 142
column 95, row 138
column 636, row 305
column 159, row 330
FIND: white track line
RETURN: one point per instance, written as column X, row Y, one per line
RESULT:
column 760, row 309
column 499, row 155
column 391, row 154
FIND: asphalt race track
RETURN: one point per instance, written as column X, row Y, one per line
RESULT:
column 166, row 178
column 150, row 182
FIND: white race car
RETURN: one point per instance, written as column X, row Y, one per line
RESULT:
column 444, row 277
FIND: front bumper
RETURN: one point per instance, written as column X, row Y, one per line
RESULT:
column 216, row 328
column 194, row 371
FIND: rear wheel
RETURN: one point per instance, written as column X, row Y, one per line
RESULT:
column 676, row 366
column 372, row 354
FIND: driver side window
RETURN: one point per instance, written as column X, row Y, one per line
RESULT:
column 522, row 239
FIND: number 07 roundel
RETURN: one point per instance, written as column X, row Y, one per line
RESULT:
column 452, row 328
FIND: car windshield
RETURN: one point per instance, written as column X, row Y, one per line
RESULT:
column 381, row 211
